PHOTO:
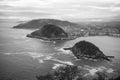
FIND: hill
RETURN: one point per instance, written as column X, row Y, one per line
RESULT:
column 76, row 29
column 88, row 50
column 38, row 23
column 49, row 32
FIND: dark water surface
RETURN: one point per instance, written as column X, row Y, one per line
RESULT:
column 23, row 58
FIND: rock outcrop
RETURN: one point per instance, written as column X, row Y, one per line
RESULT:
column 49, row 32
column 62, row 73
column 87, row 50
column 70, row 72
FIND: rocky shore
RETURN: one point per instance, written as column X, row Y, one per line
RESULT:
column 70, row 72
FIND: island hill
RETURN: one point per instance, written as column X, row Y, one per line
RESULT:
column 76, row 29
column 85, row 49
column 49, row 32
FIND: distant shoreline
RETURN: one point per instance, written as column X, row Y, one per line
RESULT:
column 69, row 38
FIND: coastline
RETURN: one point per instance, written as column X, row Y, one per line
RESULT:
column 69, row 38
column 50, row 39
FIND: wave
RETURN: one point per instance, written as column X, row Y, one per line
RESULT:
column 93, row 70
column 52, row 58
column 43, row 57
column 58, row 62
column 57, row 66
column 63, row 62
column 65, row 51
column 31, row 54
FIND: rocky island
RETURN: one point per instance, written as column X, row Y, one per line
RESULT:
column 50, row 32
column 88, row 50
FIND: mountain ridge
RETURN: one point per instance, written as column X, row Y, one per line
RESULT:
column 76, row 29
column 38, row 23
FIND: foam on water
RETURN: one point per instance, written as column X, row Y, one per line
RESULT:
column 41, row 58
column 63, row 62
column 57, row 66
column 51, row 58
column 110, row 70
column 31, row 54
column 93, row 70
column 89, row 71
column 65, row 51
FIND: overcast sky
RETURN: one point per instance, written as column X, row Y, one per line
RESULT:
column 71, row 10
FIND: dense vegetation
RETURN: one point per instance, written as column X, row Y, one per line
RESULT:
column 87, row 49
column 49, row 32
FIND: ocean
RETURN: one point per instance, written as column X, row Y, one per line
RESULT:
column 23, row 58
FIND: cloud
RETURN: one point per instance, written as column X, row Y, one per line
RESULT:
column 74, row 10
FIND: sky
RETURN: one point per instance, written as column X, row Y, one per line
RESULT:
column 71, row 10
